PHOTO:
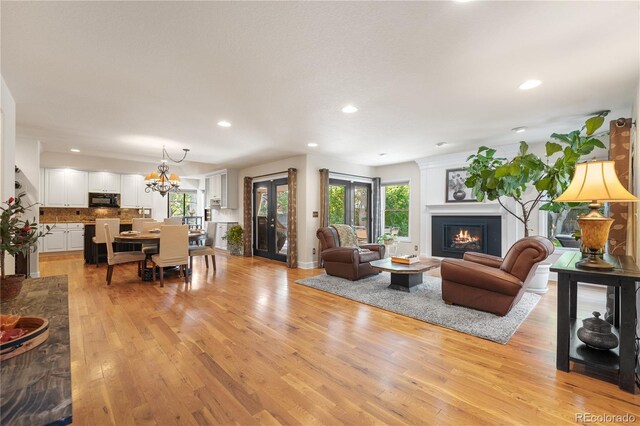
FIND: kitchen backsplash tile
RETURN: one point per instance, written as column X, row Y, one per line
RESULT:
column 59, row 214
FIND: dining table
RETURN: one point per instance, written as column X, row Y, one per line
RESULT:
column 133, row 237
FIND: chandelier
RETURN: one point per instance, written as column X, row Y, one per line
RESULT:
column 161, row 181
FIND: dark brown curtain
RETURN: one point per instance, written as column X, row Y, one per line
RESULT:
column 376, row 207
column 292, row 224
column 324, row 204
column 247, row 216
column 619, row 236
column 621, row 213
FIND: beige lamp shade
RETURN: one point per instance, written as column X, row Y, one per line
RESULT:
column 174, row 178
column 596, row 181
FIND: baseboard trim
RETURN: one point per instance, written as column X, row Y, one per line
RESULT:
column 308, row 265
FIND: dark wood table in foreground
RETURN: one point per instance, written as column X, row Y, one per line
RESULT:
column 36, row 385
column 624, row 278
column 405, row 277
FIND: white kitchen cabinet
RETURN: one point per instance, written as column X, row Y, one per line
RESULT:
column 75, row 236
column 129, row 191
column 66, row 188
column 104, row 182
column 222, row 189
column 145, row 199
column 133, row 194
column 215, row 183
column 221, row 232
column 56, row 240
column 77, row 188
column 55, row 190
column 63, row 237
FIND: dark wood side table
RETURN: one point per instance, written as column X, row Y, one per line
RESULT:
column 624, row 278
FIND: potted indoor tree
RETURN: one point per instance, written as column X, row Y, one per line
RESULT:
column 16, row 236
column 528, row 180
column 234, row 240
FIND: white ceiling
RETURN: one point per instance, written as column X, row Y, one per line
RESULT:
column 119, row 79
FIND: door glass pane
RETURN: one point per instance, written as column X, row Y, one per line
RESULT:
column 336, row 204
column 361, row 212
column 282, row 198
column 262, row 225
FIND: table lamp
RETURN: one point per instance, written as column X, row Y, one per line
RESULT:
column 595, row 182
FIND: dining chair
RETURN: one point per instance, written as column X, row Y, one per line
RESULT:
column 174, row 250
column 138, row 221
column 207, row 249
column 100, row 237
column 118, row 258
column 173, row 221
column 149, row 249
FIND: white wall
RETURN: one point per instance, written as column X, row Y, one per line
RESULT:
column 28, row 160
column 98, row 164
column 403, row 172
column 7, row 152
column 82, row 161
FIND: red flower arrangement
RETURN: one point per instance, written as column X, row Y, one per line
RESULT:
column 17, row 235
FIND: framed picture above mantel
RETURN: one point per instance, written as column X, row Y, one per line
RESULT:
column 456, row 190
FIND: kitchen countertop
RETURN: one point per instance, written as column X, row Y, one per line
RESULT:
column 36, row 385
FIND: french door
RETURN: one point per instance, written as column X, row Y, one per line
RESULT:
column 270, row 219
column 350, row 203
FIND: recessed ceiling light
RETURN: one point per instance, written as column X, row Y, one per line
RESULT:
column 312, row 145
column 440, row 144
column 74, row 150
column 382, row 154
column 519, row 129
column 349, row 109
column 224, row 123
column 530, row 84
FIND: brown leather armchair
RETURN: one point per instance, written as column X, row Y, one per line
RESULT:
column 346, row 262
column 491, row 283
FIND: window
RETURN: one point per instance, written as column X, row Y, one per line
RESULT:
column 182, row 204
column 395, row 207
column 561, row 226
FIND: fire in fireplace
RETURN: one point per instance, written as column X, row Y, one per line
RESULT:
column 464, row 238
column 452, row 236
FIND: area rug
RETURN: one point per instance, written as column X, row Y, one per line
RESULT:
column 426, row 304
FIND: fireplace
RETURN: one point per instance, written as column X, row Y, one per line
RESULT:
column 452, row 236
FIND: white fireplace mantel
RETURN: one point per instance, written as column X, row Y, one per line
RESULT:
column 466, row 209
column 509, row 228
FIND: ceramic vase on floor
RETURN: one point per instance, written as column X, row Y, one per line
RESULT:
column 540, row 282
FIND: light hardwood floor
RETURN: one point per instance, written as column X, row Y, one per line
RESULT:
column 248, row 345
